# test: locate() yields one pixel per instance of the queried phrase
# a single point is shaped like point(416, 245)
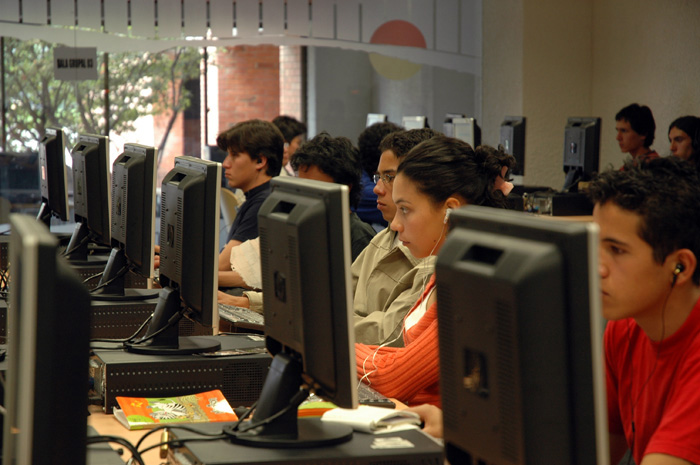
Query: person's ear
point(683, 263)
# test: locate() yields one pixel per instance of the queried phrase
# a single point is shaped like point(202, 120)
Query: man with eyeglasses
point(387, 279)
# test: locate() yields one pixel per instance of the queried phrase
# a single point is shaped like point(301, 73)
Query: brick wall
point(249, 84)
point(291, 81)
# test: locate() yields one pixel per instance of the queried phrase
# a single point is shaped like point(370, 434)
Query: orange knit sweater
point(411, 373)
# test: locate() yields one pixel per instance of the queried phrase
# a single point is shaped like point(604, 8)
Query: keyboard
point(240, 315)
point(366, 395)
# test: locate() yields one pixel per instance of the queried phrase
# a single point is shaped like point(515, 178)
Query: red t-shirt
point(655, 387)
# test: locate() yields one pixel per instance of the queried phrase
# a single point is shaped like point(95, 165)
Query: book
point(141, 413)
point(372, 419)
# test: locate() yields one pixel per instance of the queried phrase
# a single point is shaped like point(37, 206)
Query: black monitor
point(52, 176)
point(133, 224)
point(581, 151)
point(91, 196)
point(305, 236)
point(48, 349)
point(189, 258)
point(520, 331)
point(375, 118)
point(461, 127)
point(414, 122)
point(513, 141)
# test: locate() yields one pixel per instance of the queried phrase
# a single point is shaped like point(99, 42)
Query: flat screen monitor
point(52, 176)
point(376, 118)
point(189, 258)
point(305, 236)
point(133, 224)
point(414, 122)
point(91, 196)
point(581, 151)
point(47, 352)
point(461, 127)
point(520, 336)
point(513, 141)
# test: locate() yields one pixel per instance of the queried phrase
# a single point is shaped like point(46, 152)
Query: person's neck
point(259, 181)
point(640, 152)
point(664, 322)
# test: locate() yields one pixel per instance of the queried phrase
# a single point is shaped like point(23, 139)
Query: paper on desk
point(375, 420)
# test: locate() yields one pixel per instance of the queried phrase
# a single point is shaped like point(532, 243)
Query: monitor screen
point(581, 151)
point(47, 352)
point(91, 195)
point(463, 128)
point(375, 118)
point(305, 236)
point(520, 334)
point(189, 257)
point(133, 223)
point(52, 176)
point(414, 122)
point(513, 141)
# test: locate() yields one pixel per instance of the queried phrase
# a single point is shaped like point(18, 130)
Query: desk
point(107, 425)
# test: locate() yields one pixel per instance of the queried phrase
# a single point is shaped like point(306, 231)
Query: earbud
point(676, 271)
point(447, 215)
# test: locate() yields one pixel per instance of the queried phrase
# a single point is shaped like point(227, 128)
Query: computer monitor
point(47, 351)
point(460, 127)
point(581, 151)
point(133, 224)
point(375, 118)
point(52, 176)
point(189, 258)
point(414, 122)
point(520, 335)
point(513, 141)
point(305, 236)
point(91, 196)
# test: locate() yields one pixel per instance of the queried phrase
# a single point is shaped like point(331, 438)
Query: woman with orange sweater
point(436, 176)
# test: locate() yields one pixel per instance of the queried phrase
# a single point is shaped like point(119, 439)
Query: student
point(368, 144)
point(635, 128)
point(387, 280)
point(293, 132)
point(650, 281)
point(254, 149)
point(433, 179)
point(684, 136)
point(329, 159)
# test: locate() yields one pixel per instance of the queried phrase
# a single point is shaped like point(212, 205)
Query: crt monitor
point(375, 118)
point(52, 176)
point(414, 122)
point(47, 352)
point(520, 335)
point(461, 127)
point(581, 151)
point(91, 196)
point(133, 223)
point(513, 141)
point(189, 258)
point(305, 233)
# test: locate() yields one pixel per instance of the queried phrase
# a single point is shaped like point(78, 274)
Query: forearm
point(231, 278)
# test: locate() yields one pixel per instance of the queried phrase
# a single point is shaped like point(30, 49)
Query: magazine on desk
point(141, 413)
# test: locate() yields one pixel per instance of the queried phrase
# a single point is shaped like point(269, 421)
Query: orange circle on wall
point(396, 32)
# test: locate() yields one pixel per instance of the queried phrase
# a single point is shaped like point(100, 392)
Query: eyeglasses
point(387, 178)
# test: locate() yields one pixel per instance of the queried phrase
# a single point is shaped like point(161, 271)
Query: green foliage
point(139, 84)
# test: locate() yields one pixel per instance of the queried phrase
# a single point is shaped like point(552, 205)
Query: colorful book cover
point(140, 413)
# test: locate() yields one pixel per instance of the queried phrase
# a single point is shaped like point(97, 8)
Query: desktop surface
point(399, 448)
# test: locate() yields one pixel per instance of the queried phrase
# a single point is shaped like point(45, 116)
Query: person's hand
point(156, 258)
point(236, 301)
point(431, 416)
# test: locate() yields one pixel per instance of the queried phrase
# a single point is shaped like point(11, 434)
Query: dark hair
point(443, 166)
point(641, 120)
point(401, 142)
point(368, 143)
point(257, 138)
point(336, 157)
point(665, 194)
point(691, 126)
point(290, 127)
